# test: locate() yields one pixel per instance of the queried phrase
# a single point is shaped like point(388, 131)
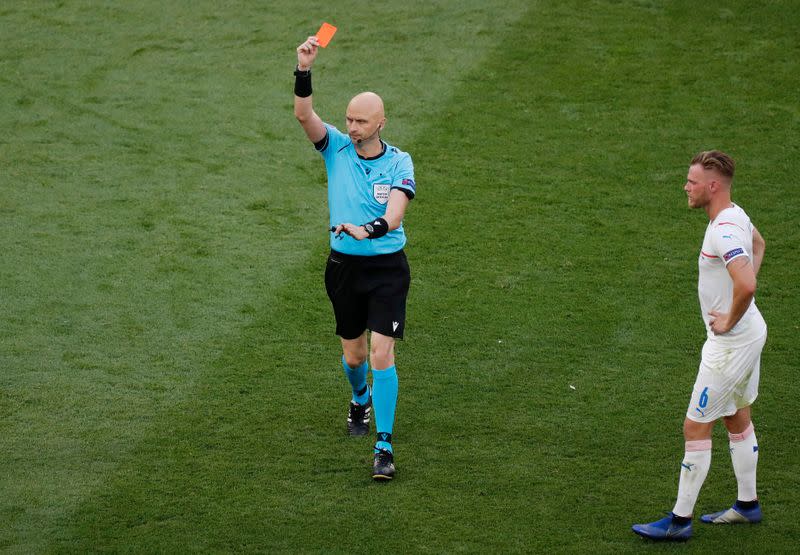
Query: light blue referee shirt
point(358, 190)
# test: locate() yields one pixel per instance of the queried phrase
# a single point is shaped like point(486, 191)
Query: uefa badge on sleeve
point(381, 192)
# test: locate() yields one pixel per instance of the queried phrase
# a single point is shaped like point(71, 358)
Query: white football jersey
point(728, 237)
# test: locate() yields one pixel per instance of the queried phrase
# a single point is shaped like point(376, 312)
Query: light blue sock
point(358, 381)
point(384, 402)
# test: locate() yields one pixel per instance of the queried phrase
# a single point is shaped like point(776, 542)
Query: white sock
point(694, 468)
point(744, 455)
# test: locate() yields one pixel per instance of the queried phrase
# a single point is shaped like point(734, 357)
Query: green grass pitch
point(169, 377)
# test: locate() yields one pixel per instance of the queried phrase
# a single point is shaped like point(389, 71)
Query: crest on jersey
point(381, 192)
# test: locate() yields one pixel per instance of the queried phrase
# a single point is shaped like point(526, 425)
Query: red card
point(325, 34)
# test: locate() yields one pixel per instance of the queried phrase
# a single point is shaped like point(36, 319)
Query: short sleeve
point(333, 141)
point(403, 177)
point(730, 241)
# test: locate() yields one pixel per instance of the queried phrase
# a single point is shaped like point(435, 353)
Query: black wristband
point(376, 228)
point(302, 82)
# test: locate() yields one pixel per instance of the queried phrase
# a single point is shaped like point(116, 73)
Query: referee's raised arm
point(303, 109)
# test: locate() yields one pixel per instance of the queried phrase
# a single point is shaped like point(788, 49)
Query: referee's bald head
point(367, 103)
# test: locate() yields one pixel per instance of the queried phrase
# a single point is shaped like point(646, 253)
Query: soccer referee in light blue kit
point(370, 184)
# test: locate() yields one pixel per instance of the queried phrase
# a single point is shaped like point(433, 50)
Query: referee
point(370, 184)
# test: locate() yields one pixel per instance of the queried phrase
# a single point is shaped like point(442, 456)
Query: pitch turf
point(169, 381)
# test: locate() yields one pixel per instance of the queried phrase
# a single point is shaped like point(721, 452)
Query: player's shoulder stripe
point(730, 223)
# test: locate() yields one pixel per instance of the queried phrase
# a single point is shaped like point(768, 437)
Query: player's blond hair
point(716, 160)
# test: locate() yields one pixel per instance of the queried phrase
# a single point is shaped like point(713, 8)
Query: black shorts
point(368, 292)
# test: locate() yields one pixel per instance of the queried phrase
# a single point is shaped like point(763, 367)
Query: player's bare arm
point(744, 287)
point(759, 245)
point(395, 212)
point(303, 108)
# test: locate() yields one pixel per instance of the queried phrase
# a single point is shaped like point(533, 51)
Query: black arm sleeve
point(409, 194)
point(302, 83)
point(376, 228)
point(322, 144)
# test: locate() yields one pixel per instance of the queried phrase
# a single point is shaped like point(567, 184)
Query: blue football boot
point(665, 529)
point(734, 515)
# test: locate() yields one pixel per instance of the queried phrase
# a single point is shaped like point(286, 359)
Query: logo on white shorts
point(394, 325)
point(381, 192)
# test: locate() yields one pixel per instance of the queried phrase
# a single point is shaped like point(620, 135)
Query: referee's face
point(359, 126)
point(364, 117)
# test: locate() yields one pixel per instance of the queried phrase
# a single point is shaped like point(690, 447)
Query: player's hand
point(357, 232)
point(720, 322)
point(307, 53)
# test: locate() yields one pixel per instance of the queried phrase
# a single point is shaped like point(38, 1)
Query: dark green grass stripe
point(581, 259)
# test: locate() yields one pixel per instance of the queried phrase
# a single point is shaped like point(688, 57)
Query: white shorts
point(726, 381)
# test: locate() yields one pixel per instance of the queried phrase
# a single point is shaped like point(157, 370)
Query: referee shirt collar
point(383, 151)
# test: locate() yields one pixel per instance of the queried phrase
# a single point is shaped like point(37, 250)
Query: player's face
point(697, 186)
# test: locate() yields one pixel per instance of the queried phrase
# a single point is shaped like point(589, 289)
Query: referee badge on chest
point(381, 192)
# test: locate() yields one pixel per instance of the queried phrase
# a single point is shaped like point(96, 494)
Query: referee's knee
point(382, 362)
point(381, 356)
point(354, 361)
